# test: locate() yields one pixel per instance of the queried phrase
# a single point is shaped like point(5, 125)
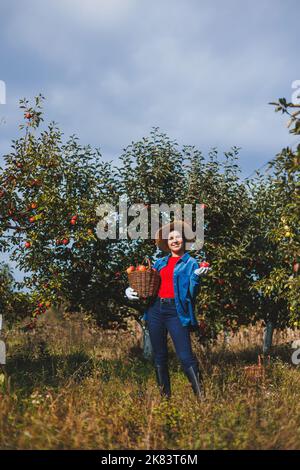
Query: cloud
point(110, 70)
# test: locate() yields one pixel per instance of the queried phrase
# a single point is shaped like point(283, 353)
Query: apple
point(141, 267)
point(33, 205)
point(204, 206)
point(28, 115)
point(27, 245)
point(221, 282)
point(204, 264)
point(31, 219)
point(296, 267)
point(48, 304)
point(73, 221)
point(65, 241)
point(130, 269)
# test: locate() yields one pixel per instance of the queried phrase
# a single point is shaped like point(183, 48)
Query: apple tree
point(49, 191)
point(279, 221)
point(225, 300)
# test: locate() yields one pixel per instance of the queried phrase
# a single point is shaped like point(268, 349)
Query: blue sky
point(202, 71)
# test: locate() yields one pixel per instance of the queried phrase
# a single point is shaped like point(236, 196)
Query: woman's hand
point(202, 271)
point(131, 294)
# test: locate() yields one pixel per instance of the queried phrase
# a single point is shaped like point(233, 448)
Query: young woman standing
point(173, 309)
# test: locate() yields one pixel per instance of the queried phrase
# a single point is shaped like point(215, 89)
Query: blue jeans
point(163, 318)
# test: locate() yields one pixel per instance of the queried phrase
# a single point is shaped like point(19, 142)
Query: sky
point(203, 71)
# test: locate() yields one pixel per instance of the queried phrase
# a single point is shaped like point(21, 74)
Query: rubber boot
point(193, 374)
point(163, 380)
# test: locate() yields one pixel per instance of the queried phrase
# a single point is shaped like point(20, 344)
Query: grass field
point(70, 385)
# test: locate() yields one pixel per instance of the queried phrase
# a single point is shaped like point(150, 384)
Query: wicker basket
point(256, 373)
point(145, 283)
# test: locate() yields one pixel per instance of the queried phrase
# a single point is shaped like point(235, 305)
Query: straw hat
point(161, 236)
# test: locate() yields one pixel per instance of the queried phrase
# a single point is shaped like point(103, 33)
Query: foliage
point(50, 189)
point(278, 206)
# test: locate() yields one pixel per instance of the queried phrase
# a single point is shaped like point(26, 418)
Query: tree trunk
point(226, 339)
point(147, 346)
point(268, 337)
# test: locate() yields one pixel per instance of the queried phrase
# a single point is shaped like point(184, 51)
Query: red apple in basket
point(141, 267)
point(130, 269)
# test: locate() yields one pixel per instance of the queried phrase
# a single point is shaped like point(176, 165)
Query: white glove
point(202, 271)
point(131, 294)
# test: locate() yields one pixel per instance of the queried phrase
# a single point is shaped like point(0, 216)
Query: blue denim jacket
point(186, 286)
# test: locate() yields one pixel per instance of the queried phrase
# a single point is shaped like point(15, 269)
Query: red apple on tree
point(35, 182)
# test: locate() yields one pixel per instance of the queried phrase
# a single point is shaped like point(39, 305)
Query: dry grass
point(74, 387)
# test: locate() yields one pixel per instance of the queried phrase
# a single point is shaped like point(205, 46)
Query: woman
point(173, 309)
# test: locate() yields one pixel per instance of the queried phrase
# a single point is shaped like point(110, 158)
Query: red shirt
point(167, 285)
